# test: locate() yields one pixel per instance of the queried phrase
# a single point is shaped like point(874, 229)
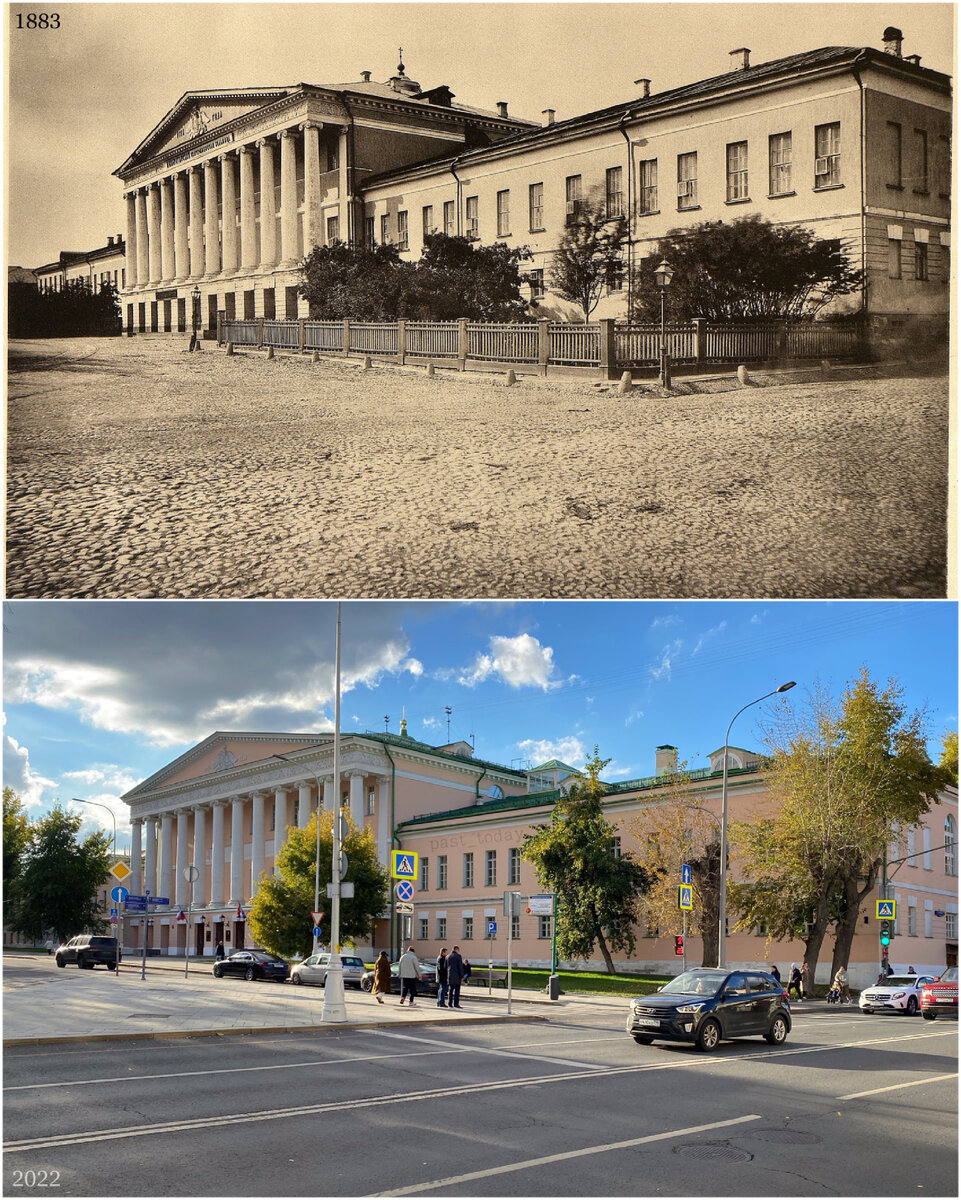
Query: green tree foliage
point(280, 914)
point(16, 838)
point(573, 856)
point(74, 312)
point(949, 756)
point(359, 282)
point(60, 878)
point(841, 775)
point(590, 251)
point(750, 269)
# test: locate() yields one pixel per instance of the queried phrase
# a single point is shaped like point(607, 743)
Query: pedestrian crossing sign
point(685, 896)
point(887, 910)
point(403, 864)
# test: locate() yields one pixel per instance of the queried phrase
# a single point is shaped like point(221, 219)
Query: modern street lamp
point(100, 804)
point(664, 273)
point(195, 296)
point(335, 1007)
point(284, 758)
point(722, 900)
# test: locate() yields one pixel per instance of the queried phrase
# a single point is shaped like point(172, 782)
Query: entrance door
point(199, 929)
point(239, 934)
point(168, 304)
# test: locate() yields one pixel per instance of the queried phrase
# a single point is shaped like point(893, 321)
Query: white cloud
point(568, 749)
point(20, 776)
point(636, 715)
point(705, 637)
point(519, 662)
point(432, 723)
point(662, 669)
point(665, 622)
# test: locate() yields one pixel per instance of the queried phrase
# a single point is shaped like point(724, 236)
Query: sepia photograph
point(460, 300)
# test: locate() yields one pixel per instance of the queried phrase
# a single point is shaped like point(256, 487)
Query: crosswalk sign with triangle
point(887, 910)
point(403, 864)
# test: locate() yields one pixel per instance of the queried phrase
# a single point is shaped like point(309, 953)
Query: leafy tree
point(279, 916)
point(949, 756)
point(589, 252)
point(74, 312)
point(750, 269)
point(457, 278)
point(60, 878)
point(597, 892)
point(365, 283)
point(16, 838)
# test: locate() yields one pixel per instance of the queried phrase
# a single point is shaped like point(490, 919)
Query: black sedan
point(253, 964)
point(705, 1006)
point(426, 985)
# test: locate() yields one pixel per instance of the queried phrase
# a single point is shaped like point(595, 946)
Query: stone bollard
point(230, 347)
point(366, 362)
point(742, 376)
point(626, 385)
point(315, 357)
point(511, 378)
point(430, 370)
point(825, 364)
point(270, 352)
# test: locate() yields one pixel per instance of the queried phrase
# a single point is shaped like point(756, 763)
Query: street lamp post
point(195, 340)
point(722, 899)
point(335, 1007)
point(100, 804)
point(664, 273)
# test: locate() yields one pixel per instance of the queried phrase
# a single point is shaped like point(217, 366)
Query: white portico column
point(196, 223)
point(130, 245)
point(211, 230)
point(325, 794)
point(166, 230)
point(268, 207)
point(280, 820)
point(357, 798)
point(228, 181)
point(346, 206)
point(217, 855)
point(303, 804)
point(143, 248)
point(199, 896)
point(150, 865)
point(236, 850)
point(165, 870)
point(312, 232)
point(153, 232)
point(136, 880)
point(180, 884)
point(257, 843)
point(248, 224)
point(288, 198)
point(383, 817)
point(181, 227)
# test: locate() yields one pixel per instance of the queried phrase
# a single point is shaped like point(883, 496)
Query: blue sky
point(98, 695)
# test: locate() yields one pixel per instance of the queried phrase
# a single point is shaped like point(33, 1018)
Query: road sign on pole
point(405, 908)
point(118, 894)
point(403, 864)
point(491, 928)
point(886, 910)
point(685, 873)
point(120, 871)
point(316, 917)
point(685, 896)
point(404, 890)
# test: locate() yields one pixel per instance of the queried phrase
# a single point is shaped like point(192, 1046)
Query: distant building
point(93, 268)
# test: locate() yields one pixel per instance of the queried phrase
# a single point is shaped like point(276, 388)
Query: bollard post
point(430, 370)
point(401, 340)
point(543, 344)
point(462, 343)
point(346, 350)
point(315, 357)
point(742, 375)
point(700, 340)
point(230, 347)
point(626, 384)
point(511, 378)
point(270, 352)
point(608, 351)
point(302, 340)
point(367, 362)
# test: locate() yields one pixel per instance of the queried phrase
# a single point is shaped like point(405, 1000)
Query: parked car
point(86, 950)
point(706, 1005)
point(427, 985)
point(898, 993)
point(252, 964)
point(941, 995)
point(314, 970)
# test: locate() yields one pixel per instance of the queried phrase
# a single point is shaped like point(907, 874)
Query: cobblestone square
point(136, 469)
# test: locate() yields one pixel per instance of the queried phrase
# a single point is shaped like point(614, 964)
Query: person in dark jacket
point(776, 973)
point(455, 976)
point(219, 952)
point(794, 983)
point(442, 977)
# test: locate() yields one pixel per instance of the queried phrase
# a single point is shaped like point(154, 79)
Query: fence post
point(260, 333)
point(607, 349)
point(700, 340)
point(302, 334)
point(401, 339)
point(346, 337)
point(543, 343)
point(220, 326)
point(462, 342)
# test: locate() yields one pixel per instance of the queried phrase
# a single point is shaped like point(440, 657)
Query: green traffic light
point(885, 936)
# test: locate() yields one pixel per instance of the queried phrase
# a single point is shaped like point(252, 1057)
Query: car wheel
point(708, 1035)
point(911, 1007)
point(249, 974)
point(60, 961)
point(218, 972)
point(928, 1016)
point(642, 1039)
point(778, 1031)
point(366, 984)
point(865, 1009)
point(82, 962)
point(296, 979)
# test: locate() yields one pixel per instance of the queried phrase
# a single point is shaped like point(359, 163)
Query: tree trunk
point(602, 943)
point(844, 935)
point(707, 875)
point(814, 940)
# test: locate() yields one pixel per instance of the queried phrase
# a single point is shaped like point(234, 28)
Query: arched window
point(950, 845)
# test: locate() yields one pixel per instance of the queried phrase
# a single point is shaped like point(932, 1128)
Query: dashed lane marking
point(895, 1087)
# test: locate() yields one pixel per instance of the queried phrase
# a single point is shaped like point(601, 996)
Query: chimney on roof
point(892, 38)
point(913, 58)
point(109, 241)
point(548, 115)
point(740, 59)
point(502, 108)
point(365, 76)
point(665, 760)
point(645, 86)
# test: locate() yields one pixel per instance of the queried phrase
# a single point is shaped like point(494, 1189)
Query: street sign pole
point(146, 914)
point(190, 874)
point(120, 911)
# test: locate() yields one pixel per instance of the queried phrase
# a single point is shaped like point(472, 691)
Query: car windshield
point(900, 981)
point(696, 983)
point(949, 976)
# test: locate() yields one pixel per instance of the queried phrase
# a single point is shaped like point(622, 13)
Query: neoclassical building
point(226, 807)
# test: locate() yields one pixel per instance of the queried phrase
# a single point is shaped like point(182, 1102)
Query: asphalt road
point(851, 1105)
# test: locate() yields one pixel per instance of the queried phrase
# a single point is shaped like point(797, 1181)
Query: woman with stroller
point(841, 985)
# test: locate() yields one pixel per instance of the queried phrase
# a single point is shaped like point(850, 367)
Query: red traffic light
point(678, 945)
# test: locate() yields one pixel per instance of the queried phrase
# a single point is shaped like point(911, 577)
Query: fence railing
point(604, 346)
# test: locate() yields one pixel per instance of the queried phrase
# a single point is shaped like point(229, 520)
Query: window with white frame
point(573, 198)
point(515, 927)
point(333, 229)
point(616, 846)
point(536, 280)
point(490, 868)
point(950, 924)
point(827, 155)
point(535, 207)
point(912, 846)
point(402, 243)
point(543, 927)
point(424, 882)
point(472, 210)
point(468, 933)
point(371, 801)
point(912, 919)
point(779, 163)
point(441, 871)
point(424, 929)
point(926, 846)
point(450, 218)
point(614, 276)
point(385, 228)
point(921, 151)
point(737, 171)
point(441, 929)
point(469, 869)
point(427, 219)
point(647, 186)
point(513, 866)
point(614, 191)
point(950, 845)
point(503, 213)
point(687, 180)
point(928, 915)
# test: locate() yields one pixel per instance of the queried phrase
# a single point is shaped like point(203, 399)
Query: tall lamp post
point(722, 900)
point(335, 1007)
point(100, 804)
point(195, 296)
point(664, 273)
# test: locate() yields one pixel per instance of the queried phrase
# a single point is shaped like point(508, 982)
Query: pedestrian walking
point(805, 981)
point(409, 970)
point(381, 986)
point(220, 953)
point(442, 977)
point(794, 983)
point(776, 973)
point(841, 985)
point(455, 977)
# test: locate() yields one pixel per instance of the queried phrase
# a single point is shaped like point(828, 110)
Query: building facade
point(226, 806)
point(94, 269)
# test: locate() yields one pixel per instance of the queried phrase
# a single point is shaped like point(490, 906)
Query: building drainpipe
point(477, 785)
point(393, 841)
point(864, 272)
point(459, 194)
point(630, 212)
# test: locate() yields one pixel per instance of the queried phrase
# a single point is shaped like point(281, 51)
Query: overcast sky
point(98, 695)
point(82, 97)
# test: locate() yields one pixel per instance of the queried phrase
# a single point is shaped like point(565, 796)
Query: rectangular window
point(950, 846)
point(950, 925)
point(423, 928)
point(894, 258)
point(369, 228)
point(912, 920)
point(503, 213)
point(921, 260)
point(926, 837)
point(543, 927)
point(687, 180)
point(450, 221)
point(647, 186)
point(927, 918)
point(616, 847)
point(827, 155)
point(385, 229)
point(911, 841)
point(921, 150)
point(333, 229)
point(779, 158)
point(944, 166)
point(424, 883)
point(535, 203)
point(614, 276)
point(515, 927)
point(572, 187)
point(614, 191)
point(441, 872)
point(473, 218)
point(536, 279)
point(468, 934)
point(895, 171)
point(402, 231)
point(441, 929)
point(490, 868)
point(737, 171)
point(427, 215)
point(514, 866)
point(371, 801)
point(469, 870)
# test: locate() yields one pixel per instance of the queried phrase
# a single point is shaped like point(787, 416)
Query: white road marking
point(559, 1062)
point(529, 1163)
point(897, 1086)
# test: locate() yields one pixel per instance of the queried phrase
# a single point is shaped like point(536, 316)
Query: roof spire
point(400, 65)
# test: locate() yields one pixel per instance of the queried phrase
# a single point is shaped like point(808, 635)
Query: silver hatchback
point(314, 970)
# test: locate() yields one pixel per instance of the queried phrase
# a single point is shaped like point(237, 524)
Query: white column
point(347, 232)
point(280, 821)
point(313, 236)
point(236, 850)
point(130, 244)
point(136, 875)
point(383, 816)
point(196, 223)
point(303, 804)
point(248, 222)
point(257, 844)
point(181, 227)
point(217, 856)
point(357, 798)
point(150, 864)
point(165, 871)
point(268, 208)
point(180, 884)
point(143, 249)
point(211, 228)
point(288, 198)
point(325, 794)
point(228, 218)
point(153, 232)
point(200, 856)
point(166, 230)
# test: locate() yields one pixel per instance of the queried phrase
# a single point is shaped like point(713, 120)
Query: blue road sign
point(113, 912)
point(404, 890)
point(118, 894)
point(159, 899)
point(685, 873)
point(317, 931)
point(403, 864)
point(886, 910)
point(135, 904)
point(685, 896)
point(491, 928)
point(136, 899)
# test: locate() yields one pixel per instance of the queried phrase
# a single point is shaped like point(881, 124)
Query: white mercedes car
point(898, 993)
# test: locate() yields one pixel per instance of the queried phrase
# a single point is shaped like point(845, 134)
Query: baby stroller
point(834, 996)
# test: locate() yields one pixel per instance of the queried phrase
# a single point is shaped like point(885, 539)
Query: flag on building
point(240, 913)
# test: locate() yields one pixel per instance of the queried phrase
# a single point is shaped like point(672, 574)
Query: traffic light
point(678, 945)
point(885, 934)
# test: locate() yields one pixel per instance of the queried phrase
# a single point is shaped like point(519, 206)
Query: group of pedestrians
point(452, 971)
point(798, 980)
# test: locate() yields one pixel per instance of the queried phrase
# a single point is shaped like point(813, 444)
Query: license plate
point(651, 1022)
